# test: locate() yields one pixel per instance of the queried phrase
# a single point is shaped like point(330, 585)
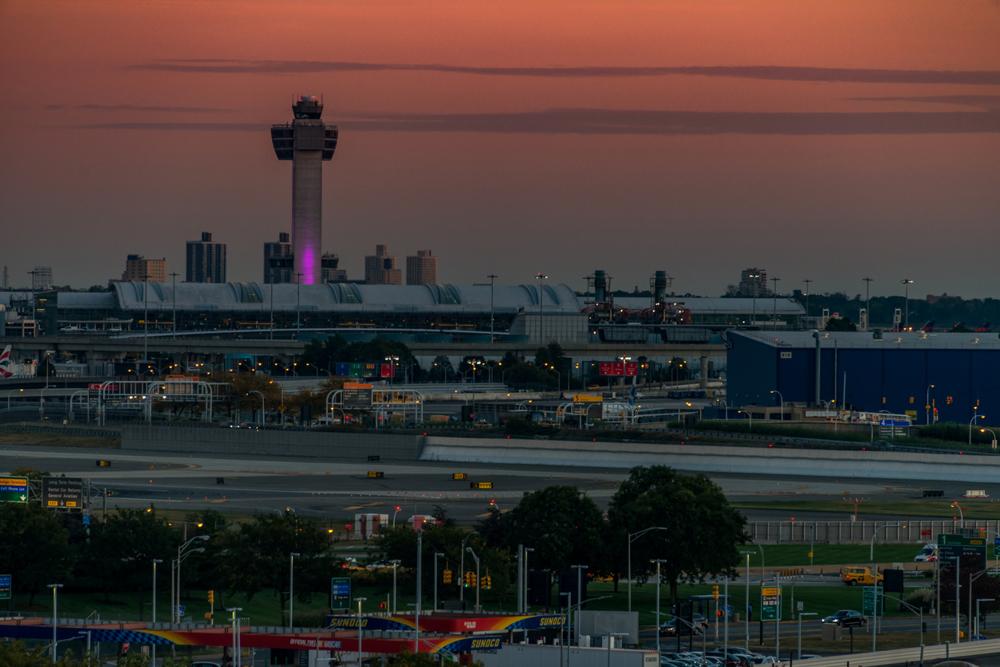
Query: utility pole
point(774, 298)
point(420, 593)
point(298, 302)
point(173, 296)
point(868, 309)
point(492, 278)
point(580, 569)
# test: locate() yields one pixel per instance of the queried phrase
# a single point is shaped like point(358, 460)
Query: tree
point(703, 531)
point(256, 556)
point(35, 548)
point(840, 324)
point(121, 549)
point(562, 525)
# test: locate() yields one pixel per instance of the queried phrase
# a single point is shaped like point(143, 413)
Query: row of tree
point(116, 553)
point(697, 533)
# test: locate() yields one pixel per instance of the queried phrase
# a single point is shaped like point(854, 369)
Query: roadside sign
point(872, 602)
point(770, 603)
point(954, 547)
point(340, 588)
point(357, 396)
point(13, 489)
point(62, 492)
point(6, 586)
point(180, 611)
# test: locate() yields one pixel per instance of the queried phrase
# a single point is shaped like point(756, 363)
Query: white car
point(928, 554)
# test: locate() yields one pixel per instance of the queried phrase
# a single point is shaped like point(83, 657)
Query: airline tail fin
point(5, 371)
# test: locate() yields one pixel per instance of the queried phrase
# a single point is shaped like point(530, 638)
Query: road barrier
point(862, 532)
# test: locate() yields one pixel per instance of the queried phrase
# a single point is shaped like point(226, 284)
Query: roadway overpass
point(107, 348)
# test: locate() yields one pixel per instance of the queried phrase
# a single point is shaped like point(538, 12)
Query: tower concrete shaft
point(307, 142)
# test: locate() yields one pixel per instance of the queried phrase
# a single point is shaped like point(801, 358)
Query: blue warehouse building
point(870, 371)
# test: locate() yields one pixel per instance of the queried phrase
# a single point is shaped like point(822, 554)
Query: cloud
point(134, 107)
point(766, 72)
point(988, 102)
point(631, 121)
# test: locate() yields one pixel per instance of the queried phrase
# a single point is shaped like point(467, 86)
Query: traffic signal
point(446, 577)
point(211, 597)
point(470, 579)
point(487, 582)
point(715, 591)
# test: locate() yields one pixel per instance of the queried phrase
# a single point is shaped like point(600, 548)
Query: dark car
point(846, 618)
point(675, 626)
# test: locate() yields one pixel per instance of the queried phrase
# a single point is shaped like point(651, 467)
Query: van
point(859, 576)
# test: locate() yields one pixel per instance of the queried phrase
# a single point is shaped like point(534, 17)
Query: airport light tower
point(307, 142)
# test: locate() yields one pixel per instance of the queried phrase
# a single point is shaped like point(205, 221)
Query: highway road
point(337, 489)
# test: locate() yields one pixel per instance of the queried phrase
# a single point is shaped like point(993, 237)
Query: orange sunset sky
point(823, 140)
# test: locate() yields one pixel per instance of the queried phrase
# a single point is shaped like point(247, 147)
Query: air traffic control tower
point(307, 142)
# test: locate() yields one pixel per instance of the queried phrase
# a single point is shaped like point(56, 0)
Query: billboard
point(62, 492)
point(618, 368)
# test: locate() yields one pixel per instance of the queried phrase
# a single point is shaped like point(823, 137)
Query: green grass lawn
point(793, 555)
point(264, 608)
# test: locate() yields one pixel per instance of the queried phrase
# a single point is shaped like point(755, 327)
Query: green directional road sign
point(770, 603)
point(872, 602)
point(6, 586)
point(951, 547)
point(13, 489)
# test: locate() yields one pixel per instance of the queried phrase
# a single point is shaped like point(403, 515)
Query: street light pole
point(475, 557)
point(262, 408)
point(235, 611)
point(906, 303)
point(395, 567)
point(437, 554)
point(657, 561)
point(798, 651)
point(632, 537)
point(173, 297)
point(781, 400)
point(978, 600)
point(155, 562)
point(493, 277)
point(975, 416)
point(291, 588)
point(55, 618)
point(183, 551)
point(868, 312)
point(541, 299)
point(360, 629)
point(927, 404)
point(579, 598)
point(298, 303)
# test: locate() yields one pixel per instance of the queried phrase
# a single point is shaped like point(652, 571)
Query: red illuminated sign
point(618, 368)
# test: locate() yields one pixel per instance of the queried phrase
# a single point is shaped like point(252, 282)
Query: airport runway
point(337, 489)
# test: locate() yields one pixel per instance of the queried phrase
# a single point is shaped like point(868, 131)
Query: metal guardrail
point(917, 655)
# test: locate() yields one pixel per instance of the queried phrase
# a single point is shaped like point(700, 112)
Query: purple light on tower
point(307, 142)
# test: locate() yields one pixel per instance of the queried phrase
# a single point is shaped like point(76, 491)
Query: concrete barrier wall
point(318, 444)
point(718, 459)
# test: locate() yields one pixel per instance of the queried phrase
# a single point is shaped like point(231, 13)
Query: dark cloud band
point(767, 72)
point(637, 122)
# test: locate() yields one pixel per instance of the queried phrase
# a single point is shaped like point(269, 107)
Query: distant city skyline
point(828, 141)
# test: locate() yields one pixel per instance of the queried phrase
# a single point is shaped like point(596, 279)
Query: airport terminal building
point(950, 376)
